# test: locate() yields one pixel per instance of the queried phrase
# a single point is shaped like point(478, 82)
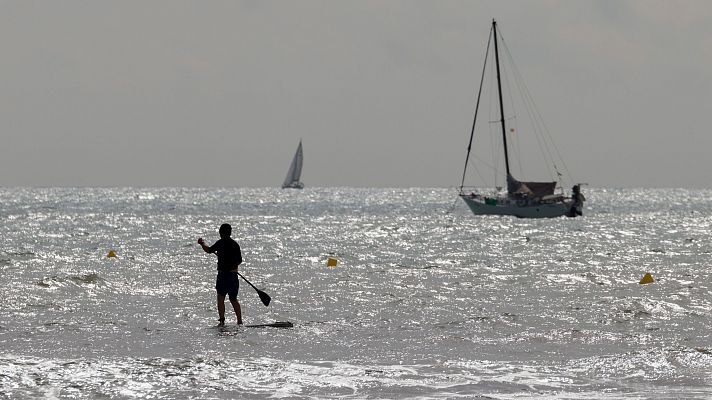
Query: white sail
point(295, 171)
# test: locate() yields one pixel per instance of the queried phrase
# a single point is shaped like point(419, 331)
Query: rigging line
point(494, 130)
point(553, 144)
point(452, 207)
point(537, 118)
point(546, 134)
point(515, 139)
point(543, 143)
point(477, 107)
point(516, 142)
point(483, 162)
point(527, 102)
point(544, 140)
point(477, 170)
point(512, 118)
point(495, 143)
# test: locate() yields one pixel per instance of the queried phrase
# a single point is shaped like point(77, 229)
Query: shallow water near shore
point(426, 301)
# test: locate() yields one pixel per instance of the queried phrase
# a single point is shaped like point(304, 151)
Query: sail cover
point(295, 169)
point(529, 189)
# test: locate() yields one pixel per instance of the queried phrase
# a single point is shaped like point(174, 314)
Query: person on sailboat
point(577, 201)
point(226, 283)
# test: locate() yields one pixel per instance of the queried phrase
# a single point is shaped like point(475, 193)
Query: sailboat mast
point(501, 103)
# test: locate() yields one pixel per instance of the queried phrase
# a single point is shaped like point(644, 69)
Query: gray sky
point(219, 93)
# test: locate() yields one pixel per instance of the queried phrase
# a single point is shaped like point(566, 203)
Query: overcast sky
point(219, 93)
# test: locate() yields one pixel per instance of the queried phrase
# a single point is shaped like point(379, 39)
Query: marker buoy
point(331, 262)
point(111, 254)
point(647, 279)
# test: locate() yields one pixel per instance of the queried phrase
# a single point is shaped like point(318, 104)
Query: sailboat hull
point(293, 185)
point(524, 199)
point(483, 206)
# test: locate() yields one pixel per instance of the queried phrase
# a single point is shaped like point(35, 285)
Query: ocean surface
point(426, 301)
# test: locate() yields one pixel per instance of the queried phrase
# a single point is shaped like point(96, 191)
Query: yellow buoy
point(647, 279)
point(112, 253)
point(331, 262)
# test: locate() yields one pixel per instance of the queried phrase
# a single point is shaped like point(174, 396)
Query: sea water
point(426, 299)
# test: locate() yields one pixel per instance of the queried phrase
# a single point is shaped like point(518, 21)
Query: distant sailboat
point(295, 171)
point(522, 199)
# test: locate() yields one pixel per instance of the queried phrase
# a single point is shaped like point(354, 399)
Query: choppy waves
point(426, 301)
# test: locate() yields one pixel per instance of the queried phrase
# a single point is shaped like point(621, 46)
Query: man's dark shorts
point(227, 283)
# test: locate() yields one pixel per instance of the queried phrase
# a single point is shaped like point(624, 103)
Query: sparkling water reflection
point(423, 303)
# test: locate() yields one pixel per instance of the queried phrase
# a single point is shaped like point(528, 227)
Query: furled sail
point(529, 189)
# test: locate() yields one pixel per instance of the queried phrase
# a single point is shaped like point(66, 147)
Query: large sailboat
point(524, 199)
point(295, 171)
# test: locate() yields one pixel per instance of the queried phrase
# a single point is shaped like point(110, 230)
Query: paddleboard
point(278, 324)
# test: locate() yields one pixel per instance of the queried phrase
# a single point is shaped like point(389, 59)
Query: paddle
point(263, 296)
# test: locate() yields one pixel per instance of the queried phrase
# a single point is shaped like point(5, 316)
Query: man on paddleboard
point(226, 283)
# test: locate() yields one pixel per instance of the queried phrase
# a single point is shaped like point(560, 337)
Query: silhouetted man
point(226, 283)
